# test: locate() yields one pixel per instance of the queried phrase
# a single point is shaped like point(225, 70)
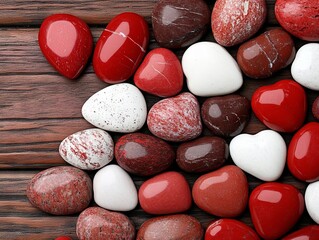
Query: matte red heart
point(281, 106)
point(223, 192)
point(306, 233)
point(176, 118)
point(160, 73)
point(66, 42)
point(299, 18)
point(275, 208)
point(303, 154)
point(230, 229)
point(121, 48)
point(165, 193)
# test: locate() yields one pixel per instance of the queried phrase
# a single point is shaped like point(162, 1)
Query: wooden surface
point(39, 108)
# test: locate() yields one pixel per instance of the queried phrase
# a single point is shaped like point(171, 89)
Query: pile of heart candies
point(175, 123)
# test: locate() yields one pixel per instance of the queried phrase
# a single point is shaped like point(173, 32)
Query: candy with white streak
point(175, 119)
point(89, 149)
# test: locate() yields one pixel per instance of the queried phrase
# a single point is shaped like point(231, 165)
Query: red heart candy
point(66, 42)
point(303, 154)
point(275, 208)
point(165, 193)
point(306, 233)
point(229, 229)
point(160, 73)
point(281, 106)
point(121, 48)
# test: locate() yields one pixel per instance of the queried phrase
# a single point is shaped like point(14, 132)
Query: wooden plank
point(18, 12)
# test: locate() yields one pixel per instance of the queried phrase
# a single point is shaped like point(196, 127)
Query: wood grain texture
point(32, 12)
point(39, 108)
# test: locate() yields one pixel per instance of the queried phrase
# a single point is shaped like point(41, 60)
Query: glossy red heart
point(230, 229)
point(160, 73)
point(281, 106)
point(306, 233)
point(66, 42)
point(303, 154)
point(165, 193)
point(275, 208)
point(121, 48)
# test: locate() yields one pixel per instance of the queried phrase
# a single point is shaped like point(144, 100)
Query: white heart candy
point(117, 108)
point(89, 149)
point(262, 155)
point(114, 189)
point(305, 67)
point(210, 70)
point(312, 200)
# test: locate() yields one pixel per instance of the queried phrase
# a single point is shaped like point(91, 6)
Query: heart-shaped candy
point(121, 48)
point(303, 155)
point(165, 193)
point(307, 233)
point(160, 73)
point(229, 229)
point(210, 70)
point(305, 67)
point(66, 42)
point(262, 155)
point(275, 208)
point(114, 189)
point(281, 106)
point(312, 200)
point(116, 108)
point(223, 193)
point(176, 118)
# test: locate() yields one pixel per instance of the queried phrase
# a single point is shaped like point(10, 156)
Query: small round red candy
point(121, 48)
point(160, 73)
point(66, 42)
point(230, 229)
point(63, 238)
point(315, 108)
point(281, 106)
point(303, 154)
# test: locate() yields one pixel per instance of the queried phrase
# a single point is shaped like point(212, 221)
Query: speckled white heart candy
point(210, 70)
point(114, 189)
point(89, 149)
point(305, 67)
point(262, 155)
point(312, 200)
point(116, 108)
